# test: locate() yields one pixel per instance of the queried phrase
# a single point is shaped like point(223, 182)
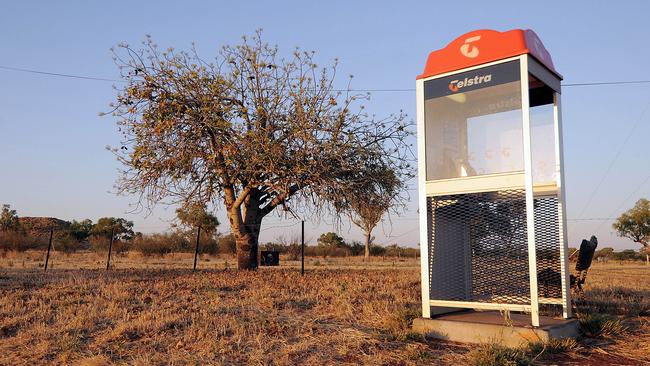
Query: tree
point(80, 230)
point(122, 229)
point(331, 240)
point(367, 202)
point(194, 215)
point(253, 129)
point(9, 219)
point(634, 224)
point(332, 244)
point(604, 253)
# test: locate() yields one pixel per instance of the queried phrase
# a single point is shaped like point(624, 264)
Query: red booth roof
point(483, 46)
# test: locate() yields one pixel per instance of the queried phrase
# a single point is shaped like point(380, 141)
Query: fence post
point(302, 250)
point(196, 250)
point(110, 248)
point(49, 247)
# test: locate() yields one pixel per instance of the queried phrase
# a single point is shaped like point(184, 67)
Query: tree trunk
point(247, 245)
point(245, 223)
point(366, 255)
point(647, 259)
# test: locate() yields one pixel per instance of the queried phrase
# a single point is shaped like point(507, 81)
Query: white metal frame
point(528, 184)
point(422, 197)
point(561, 202)
point(497, 181)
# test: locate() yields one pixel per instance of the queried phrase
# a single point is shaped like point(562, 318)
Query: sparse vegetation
point(154, 314)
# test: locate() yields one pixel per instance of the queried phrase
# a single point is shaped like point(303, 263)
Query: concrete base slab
point(492, 327)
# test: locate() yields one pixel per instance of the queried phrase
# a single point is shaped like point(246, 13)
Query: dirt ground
point(342, 312)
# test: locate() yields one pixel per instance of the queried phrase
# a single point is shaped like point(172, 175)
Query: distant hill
point(40, 226)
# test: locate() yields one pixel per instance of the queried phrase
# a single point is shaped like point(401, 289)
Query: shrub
point(554, 346)
point(101, 243)
point(66, 243)
point(209, 246)
point(600, 325)
point(396, 251)
point(377, 250)
point(16, 241)
point(152, 245)
point(278, 247)
point(497, 355)
point(227, 244)
point(293, 251)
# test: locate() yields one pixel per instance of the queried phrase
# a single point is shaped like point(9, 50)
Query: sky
point(52, 140)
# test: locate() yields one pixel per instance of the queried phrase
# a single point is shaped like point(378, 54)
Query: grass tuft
point(497, 355)
point(600, 325)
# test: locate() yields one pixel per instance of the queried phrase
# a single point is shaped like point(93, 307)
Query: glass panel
point(542, 132)
point(475, 128)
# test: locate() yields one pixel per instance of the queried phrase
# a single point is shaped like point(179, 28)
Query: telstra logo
point(456, 85)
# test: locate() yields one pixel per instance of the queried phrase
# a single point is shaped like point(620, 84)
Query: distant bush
point(277, 247)
point(396, 251)
point(156, 244)
point(65, 242)
point(376, 250)
point(357, 248)
point(17, 241)
point(293, 251)
point(101, 243)
point(227, 244)
point(209, 246)
point(628, 255)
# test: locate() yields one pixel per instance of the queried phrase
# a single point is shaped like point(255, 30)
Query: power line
point(643, 183)
point(611, 163)
point(57, 74)
point(609, 83)
point(48, 73)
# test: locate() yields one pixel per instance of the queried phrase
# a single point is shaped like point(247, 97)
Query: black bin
point(270, 258)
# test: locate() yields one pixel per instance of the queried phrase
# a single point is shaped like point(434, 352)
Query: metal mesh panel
point(479, 247)
point(547, 245)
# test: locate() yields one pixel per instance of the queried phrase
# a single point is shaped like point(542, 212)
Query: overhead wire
point(598, 83)
point(614, 159)
point(86, 77)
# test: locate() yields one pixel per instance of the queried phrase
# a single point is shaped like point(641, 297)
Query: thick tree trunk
point(245, 223)
point(366, 255)
point(247, 245)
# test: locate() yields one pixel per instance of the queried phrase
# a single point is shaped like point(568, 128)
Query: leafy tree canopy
point(252, 128)
point(331, 240)
point(122, 229)
point(194, 215)
point(81, 230)
point(634, 224)
point(9, 219)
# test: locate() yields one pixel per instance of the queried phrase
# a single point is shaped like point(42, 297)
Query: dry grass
point(339, 313)
point(33, 259)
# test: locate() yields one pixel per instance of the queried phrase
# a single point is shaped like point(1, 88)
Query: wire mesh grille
point(547, 245)
point(479, 247)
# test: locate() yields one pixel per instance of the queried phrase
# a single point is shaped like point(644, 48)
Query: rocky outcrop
point(40, 226)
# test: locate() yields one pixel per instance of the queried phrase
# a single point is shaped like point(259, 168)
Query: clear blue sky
point(52, 156)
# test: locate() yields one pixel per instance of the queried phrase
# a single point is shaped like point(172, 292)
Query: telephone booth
point(492, 217)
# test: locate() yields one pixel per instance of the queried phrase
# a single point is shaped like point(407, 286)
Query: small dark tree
point(194, 215)
point(253, 130)
point(367, 202)
point(634, 224)
point(604, 253)
point(80, 230)
point(331, 240)
point(332, 244)
point(122, 229)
